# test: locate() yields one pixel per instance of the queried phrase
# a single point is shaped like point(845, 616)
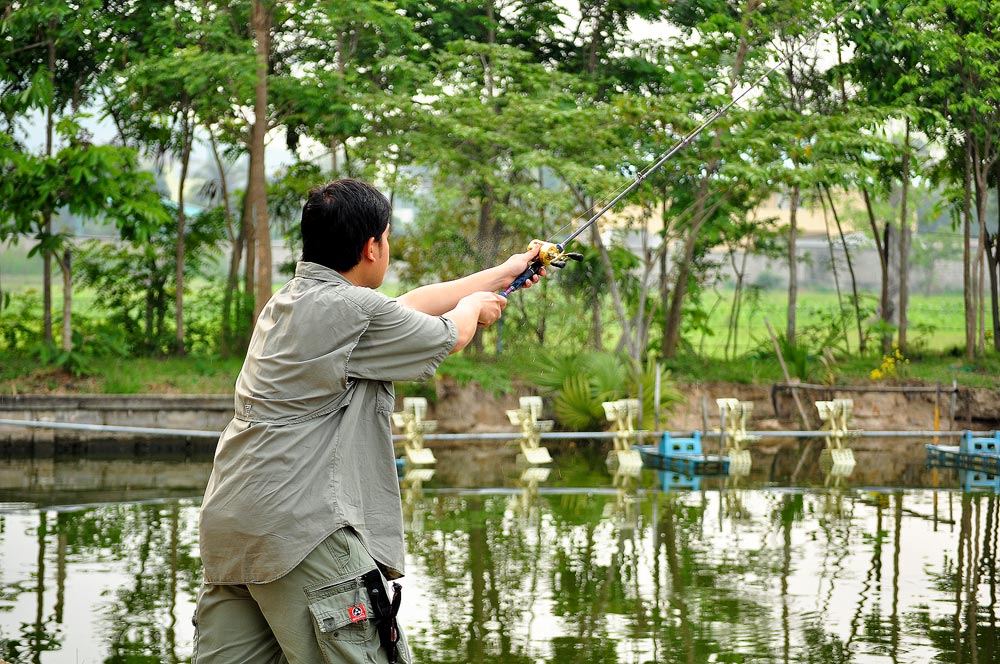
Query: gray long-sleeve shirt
point(309, 449)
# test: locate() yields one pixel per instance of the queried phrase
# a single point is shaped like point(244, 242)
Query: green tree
point(48, 65)
point(183, 72)
point(90, 181)
point(722, 62)
point(134, 279)
point(939, 58)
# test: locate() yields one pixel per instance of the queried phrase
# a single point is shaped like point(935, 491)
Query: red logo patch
point(357, 613)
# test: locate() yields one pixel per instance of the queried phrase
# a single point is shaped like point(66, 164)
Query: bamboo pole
point(788, 378)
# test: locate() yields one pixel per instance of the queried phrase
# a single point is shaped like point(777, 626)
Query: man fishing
point(302, 524)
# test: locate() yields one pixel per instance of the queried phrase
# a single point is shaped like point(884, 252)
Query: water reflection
point(568, 565)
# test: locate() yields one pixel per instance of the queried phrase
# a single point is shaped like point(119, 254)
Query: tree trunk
point(891, 313)
point(257, 187)
point(47, 213)
point(672, 321)
point(250, 261)
point(883, 258)
point(186, 139)
point(904, 243)
point(981, 293)
point(236, 242)
point(596, 319)
point(994, 286)
point(992, 259)
point(65, 265)
point(47, 281)
point(733, 328)
point(672, 326)
point(982, 254)
point(833, 267)
point(850, 268)
point(616, 297)
point(150, 303)
point(664, 255)
point(793, 264)
point(970, 307)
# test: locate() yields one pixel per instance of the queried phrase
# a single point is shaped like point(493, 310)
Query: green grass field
point(936, 322)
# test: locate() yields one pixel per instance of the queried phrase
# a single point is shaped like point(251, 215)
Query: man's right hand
point(479, 309)
point(490, 306)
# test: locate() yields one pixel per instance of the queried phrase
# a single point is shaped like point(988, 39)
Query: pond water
point(100, 564)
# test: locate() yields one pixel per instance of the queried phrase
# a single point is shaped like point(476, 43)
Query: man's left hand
point(518, 263)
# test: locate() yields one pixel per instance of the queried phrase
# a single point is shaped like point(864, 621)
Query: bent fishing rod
point(552, 254)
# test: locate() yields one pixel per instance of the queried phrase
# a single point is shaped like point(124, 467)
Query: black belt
point(385, 611)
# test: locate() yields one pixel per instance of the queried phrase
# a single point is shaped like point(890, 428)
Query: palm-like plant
point(580, 383)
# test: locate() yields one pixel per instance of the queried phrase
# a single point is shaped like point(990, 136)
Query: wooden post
point(788, 378)
point(798, 403)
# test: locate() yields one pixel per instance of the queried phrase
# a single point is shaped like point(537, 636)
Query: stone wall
point(195, 412)
point(461, 409)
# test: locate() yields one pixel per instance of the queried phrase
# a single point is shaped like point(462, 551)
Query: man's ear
point(368, 252)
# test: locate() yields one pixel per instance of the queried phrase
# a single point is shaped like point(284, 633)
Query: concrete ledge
point(198, 412)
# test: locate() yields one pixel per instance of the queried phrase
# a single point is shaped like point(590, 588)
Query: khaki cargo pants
point(309, 616)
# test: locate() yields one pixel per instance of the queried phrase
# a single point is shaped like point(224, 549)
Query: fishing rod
point(552, 254)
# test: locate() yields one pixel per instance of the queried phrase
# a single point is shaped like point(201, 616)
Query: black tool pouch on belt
point(385, 611)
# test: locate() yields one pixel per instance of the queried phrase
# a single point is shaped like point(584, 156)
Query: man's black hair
point(337, 220)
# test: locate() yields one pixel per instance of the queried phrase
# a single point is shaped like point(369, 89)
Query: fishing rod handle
point(534, 268)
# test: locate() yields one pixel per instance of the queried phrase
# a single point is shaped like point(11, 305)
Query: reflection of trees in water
point(677, 588)
point(155, 546)
point(704, 606)
point(142, 619)
point(510, 578)
point(970, 634)
point(782, 578)
point(479, 574)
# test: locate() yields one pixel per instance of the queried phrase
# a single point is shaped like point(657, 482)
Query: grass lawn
point(936, 322)
point(191, 375)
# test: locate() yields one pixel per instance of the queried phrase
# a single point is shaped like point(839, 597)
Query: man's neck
point(359, 276)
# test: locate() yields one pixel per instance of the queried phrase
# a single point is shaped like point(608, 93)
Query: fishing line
point(551, 254)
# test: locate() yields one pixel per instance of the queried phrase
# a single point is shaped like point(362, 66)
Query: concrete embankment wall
point(457, 409)
point(195, 412)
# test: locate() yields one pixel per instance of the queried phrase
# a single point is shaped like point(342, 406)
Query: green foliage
point(796, 355)
point(92, 339)
point(285, 197)
point(580, 383)
point(502, 122)
point(577, 405)
point(494, 378)
point(73, 362)
point(20, 320)
point(134, 281)
point(645, 375)
point(91, 181)
point(827, 330)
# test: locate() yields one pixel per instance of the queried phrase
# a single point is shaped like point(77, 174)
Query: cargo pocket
point(342, 614)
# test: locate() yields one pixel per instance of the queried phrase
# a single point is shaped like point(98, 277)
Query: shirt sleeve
point(402, 344)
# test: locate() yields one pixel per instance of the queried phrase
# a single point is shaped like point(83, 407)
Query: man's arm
point(441, 299)
point(472, 312)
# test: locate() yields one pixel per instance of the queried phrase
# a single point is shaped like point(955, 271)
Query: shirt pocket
point(343, 612)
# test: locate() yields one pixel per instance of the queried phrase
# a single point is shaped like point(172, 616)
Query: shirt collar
point(308, 270)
